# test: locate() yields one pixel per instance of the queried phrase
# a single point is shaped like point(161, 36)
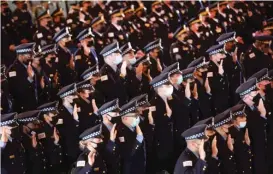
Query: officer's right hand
point(230, 143)
point(113, 133)
point(30, 71)
point(187, 90)
point(202, 152)
point(214, 148)
point(247, 139)
point(4, 137)
point(261, 108)
point(34, 140)
point(220, 68)
point(138, 130)
point(91, 157)
point(207, 86)
point(56, 136)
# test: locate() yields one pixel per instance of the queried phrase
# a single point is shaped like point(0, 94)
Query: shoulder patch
point(175, 50)
point(251, 55)
point(80, 163)
point(111, 34)
point(39, 35)
point(12, 74)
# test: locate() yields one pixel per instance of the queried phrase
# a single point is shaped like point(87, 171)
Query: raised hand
point(230, 143)
point(207, 86)
point(56, 136)
point(123, 70)
point(214, 148)
point(150, 117)
point(234, 55)
point(261, 108)
point(113, 133)
point(75, 113)
point(187, 90)
point(220, 68)
point(34, 140)
point(247, 139)
point(91, 157)
point(30, 71)
point(42, 82)
point(194, 92)
point(201, 150)
point(138, 130)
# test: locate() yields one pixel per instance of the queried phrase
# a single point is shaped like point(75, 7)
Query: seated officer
point(193, 157)
point(12, 151)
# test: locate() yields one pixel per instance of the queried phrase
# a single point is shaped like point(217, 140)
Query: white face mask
point(118, 60)
point(135, 122)
point(242, 124)
point(132, 60)
point(169, 91)
point(179, 80)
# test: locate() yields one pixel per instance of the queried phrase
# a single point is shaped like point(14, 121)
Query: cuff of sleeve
point(139, 138)
point(30, 79)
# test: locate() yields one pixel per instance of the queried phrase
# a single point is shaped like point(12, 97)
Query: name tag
point(103, 78)
point(60, 121)
point(189, 41)
point(80, 163)
point(121, 37)
point(210, 74)
point(69, 21)
point(175, 50)
point(12, 74)
point(41, 136)
point(39, 35)
point(251, 55)
point(111, 34)
point(152, 108)
point(78, 57)
point(11, 156)
point(121, 139)
point(187, 163)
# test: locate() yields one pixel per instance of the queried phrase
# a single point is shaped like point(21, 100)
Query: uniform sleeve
point(187, 167)
point(82, 170)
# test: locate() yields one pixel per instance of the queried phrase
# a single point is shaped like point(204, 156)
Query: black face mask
point(25, 6)
point(90, 43)
point(268, 87)
point(256, 99)
point(120, 22)
point(52, 60)
point(68, 44)
point(89, 8)
point(27, 62)
point(54, 120)
point(16, 133)
point(232, 49)
point(158, 10)
point(49, 24)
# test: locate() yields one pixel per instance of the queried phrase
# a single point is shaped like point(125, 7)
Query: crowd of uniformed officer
point(137, 87)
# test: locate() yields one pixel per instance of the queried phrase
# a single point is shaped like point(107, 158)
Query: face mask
point(68, 44)
point(120, 22)
point(233, 48)
point(54, 120)
point(242, 124)
point(158, 10)
point(52, 60)
point(132, 61)
point(169, 91)
point(256, 99)
point(179, 80)
point(90, 43)
point(27, 62)
point(49, 24)
point(118, 60)
point(25, 6)
point(135, 122)
point(268, 87)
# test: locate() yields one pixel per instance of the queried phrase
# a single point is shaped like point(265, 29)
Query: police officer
point(193, 157)
point(112, 75)
point(44, 33)
point(86, 56)
point(12, 150)
point(66, 63)
point(88, 108)
point(32, 134)
point(115, 31)
point(218, 78)
point(58, 19)
point(22, 74)
point(256, 123)
point(23, 20)
point(6, 100)
point(51, 138)
point(69, 123)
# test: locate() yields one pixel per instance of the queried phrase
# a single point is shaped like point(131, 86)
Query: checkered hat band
point(94, 134)
point(188, 76)
point(67, 93)
point(216, 51)
point(61, 36)
point(201, 64)
point(154, 46)
point(262, 78)
point(110, 52)
point(160, 83)
point(90, 74)
point(127, 111)
point(5, 123)
point(84, 86)
point(226, 40)
point(27, 50)
point(27, 119)
point(49, 51)
point(141, 103)
point(222, 122)
point(248, 91)
point(109, 109)
point(196, 136)
point(126, 51)
point(174, 71)
point(238, 113)
point(48, 109)
point(85, 36)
